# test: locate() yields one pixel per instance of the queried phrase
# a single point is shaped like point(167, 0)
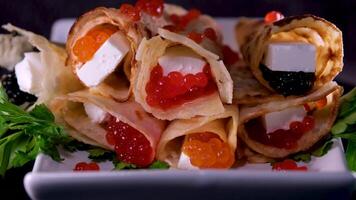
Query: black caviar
point(16, 96)
point(288, 83)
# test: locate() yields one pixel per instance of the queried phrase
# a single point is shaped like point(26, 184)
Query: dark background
point(39, 15)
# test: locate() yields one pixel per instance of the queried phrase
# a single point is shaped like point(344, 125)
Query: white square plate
point(327, 178)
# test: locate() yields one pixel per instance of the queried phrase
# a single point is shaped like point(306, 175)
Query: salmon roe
point(85, 47)
point(182, 21)
point(280, 138)
point(207, 150)
point(130, 11)
point(198, 37)
point(175, 89)
point(131, 146)
point(83, 166)
point(151, 7)
point(230, 57)
point(288, 164)
point(273, 16)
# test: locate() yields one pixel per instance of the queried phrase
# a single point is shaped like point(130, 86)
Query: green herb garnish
point(345, 126)
point(23, 135)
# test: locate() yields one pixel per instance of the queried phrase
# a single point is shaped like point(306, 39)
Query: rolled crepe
point(224, 125)
point(254, 36)
point(198, 25)
point(147, 56)
point(70, 110)
point(113, 85)
point(323, 119)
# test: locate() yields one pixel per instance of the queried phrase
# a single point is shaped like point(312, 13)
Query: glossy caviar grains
point(288, 83)
point(131, 146)
point(273, 16)
point(151, 7)
point(175, 89)
point(207, 150)
point(280, 138)
point(130, 11)
point(288, 164)
point(83, 166)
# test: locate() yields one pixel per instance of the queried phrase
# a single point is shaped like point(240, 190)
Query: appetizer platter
point(152, 95)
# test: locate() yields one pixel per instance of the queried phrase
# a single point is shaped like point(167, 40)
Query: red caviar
point(175, 89)
point(198, 37)
point(288, 164)
point(230, 56)
point(131, 146)
point(83, 166)
point(273, 16)
point(86, 46)
point(151, 7)
point(207, 150)
point(130, 11)
point(280, 138)
point(182, 21)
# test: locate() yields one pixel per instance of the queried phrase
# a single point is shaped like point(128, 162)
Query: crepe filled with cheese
point(279, 128)
point(292, 56)
point(101, 46)
point(201, 142)
point(100, 121)
point(178, 79)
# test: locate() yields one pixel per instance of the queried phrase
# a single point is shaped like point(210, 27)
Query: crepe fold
point(324, 119)
point(69, 110)
point(55, 79)
point(134, 32)
point(223, 124)
point(253, 36)
point(147, 56)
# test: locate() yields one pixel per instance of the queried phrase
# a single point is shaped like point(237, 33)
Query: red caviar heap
point(288, 164)
point(230, 57)
point(151, 7)
point(207, 150)
point(273, 16)
point(83, 166)
point(208, 33)
point(175, 89)
point(131, 146)
point(280, 138)
point(181, 22)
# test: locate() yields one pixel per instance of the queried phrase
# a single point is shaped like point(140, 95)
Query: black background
point(39, 15)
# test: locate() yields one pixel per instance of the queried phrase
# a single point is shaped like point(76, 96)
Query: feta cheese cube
point(28, 72)
point(282, 119)
point(104, 61)
point(184, 162)
point(181, 59)
point(291, 57)
point(96, 114)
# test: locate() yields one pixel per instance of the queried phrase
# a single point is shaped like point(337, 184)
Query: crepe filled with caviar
point(291, 56)
point(194, 80)
point(279, 128)
point(120, 126)
point(201, 142)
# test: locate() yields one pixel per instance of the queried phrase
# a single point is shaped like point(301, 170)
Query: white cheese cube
point(282, 119)
point(105, 60)
point(181, 59)
point(28, 72)
point(291, 57)
point(184, 162)
point(96, 114)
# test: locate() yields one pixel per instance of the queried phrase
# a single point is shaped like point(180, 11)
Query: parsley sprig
point(23, 135)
